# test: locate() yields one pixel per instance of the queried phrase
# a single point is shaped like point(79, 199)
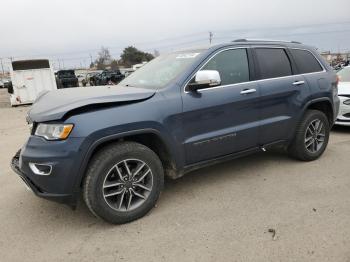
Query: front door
point(222, 120)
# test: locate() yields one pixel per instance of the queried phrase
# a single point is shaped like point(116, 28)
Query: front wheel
point(311, 137)
point(123, 182)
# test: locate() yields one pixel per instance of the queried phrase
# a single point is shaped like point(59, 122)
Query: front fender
point(101, 137)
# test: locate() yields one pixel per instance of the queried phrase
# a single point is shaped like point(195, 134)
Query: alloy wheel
point(315, 136)
point(127, 185)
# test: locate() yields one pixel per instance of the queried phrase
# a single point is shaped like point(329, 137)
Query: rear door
point(281, 93)
point(222, 120)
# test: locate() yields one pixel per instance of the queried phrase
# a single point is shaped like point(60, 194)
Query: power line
point(189, 36)
point(203, 39)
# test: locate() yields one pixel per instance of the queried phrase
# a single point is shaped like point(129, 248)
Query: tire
point(112, 164)
point(298, 148)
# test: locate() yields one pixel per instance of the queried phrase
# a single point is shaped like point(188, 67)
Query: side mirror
point(204, 79)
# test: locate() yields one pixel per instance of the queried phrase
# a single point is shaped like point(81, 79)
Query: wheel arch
point(149, 137)
point(324, 105)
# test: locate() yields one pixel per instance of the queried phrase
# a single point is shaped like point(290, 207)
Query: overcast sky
point(74, 29)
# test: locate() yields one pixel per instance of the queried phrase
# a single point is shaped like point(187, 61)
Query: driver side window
point(232, 66)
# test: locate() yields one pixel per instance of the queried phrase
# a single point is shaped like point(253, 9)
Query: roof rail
point(264, 40)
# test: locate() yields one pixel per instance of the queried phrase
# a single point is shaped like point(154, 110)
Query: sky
point(70, 31)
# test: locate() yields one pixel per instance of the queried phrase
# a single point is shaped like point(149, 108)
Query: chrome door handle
point(297, 83)
point(248, 91)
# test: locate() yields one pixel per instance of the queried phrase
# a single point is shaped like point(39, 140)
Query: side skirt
point(210, 162)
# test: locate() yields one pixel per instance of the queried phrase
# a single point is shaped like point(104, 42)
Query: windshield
point(344, 74)
point(161, 70)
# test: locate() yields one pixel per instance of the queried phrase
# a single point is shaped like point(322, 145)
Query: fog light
point(347, 102)
point(40, 169)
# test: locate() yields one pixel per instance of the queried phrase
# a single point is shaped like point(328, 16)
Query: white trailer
point(29, 79)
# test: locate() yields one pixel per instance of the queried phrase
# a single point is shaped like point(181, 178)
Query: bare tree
point(103, 58)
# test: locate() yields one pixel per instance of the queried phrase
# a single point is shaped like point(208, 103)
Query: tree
point(103, 58)
point(114, 64)
point(131, 56)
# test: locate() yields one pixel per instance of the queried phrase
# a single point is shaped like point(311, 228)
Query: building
point(336, 58)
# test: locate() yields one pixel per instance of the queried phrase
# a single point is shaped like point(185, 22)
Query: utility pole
point(91, 59)
point(2, 68)
point(210, 37)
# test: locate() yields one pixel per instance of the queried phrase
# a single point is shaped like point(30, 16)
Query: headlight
point(347, 102)
point(53, 131)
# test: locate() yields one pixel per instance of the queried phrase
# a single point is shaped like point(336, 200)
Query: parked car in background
point(180, 112)
point(4, 82)
point(90, 78)
point(344, 96)
point(108, 77)
point(81, 77)
point(66, 78)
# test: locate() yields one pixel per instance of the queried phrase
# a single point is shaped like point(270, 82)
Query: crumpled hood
point(55, 104)
point(344, 88)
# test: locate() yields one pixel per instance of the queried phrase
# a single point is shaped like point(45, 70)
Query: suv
point(66, 78)
point(108, 77)
point(181, 111)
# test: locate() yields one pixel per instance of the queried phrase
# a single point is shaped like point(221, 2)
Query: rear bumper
point(60, 198)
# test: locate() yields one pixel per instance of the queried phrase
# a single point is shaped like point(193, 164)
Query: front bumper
point(64, 157)
point(60, 198)
point(343, 117)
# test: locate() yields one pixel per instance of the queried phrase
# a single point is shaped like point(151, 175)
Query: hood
point(55, 104)
point(344, 88)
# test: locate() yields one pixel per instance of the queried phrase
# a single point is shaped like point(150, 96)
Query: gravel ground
point(265, 207)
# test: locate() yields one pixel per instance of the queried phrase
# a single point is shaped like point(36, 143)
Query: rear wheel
point(311, 137)
point(123, 182)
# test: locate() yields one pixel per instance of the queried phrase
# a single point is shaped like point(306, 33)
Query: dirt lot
point(221, 213)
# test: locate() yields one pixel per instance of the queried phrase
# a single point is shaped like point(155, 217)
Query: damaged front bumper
point(60, 198)
point(58, 183)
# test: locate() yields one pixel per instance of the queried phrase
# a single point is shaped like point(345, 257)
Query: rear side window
point(232, 66)
point(273, 62)
point(306, 61)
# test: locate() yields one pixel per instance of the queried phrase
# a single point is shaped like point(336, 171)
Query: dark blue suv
point(179, 112)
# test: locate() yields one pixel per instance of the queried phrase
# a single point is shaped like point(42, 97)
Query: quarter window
point(232, 66)
point(273, 62)
point(306, 62)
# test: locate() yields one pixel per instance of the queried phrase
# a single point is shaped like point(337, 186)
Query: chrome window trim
point(253, 81)
point(211, 57)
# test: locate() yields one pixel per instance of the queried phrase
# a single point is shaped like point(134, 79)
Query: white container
point(29, 79)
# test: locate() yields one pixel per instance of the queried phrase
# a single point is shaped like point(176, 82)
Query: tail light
point(337, 81)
